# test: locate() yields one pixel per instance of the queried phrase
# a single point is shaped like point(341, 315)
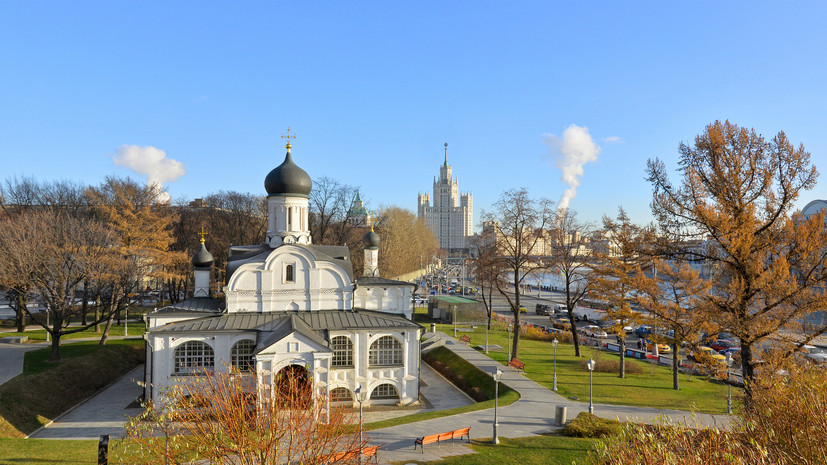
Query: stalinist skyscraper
point(451, 216)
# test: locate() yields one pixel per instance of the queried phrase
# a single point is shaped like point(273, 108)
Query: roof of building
point(274, 322)
point(377, 281)
point(287, 326)
point(195, 305)
point(203, 258)
point(371, 240)
point(288, 179)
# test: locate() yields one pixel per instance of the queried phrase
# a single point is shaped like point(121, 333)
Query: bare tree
point(485, 269)
point(517, 224)
point(571, 254)
point(330, 203)
point(53, 254)
point(405, 240)
point(733, 209)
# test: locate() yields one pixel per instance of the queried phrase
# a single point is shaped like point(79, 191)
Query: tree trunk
point(97, 313)
point(55, 331)
point(20, 312)
point(575, 338)
point(747, 372)
point(622, 357)
point(105, 334)
point(516, 311)
point(675, 385)
point(85, 310)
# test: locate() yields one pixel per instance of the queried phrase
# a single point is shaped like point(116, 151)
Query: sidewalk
point(104, 413)
point(532, 415)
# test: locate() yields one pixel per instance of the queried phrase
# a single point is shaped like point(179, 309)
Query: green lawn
point(652, 388)
point(539, 450)
point(47, 389)
point(136, 328)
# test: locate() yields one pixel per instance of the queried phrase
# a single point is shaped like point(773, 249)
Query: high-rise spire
point(446, 154)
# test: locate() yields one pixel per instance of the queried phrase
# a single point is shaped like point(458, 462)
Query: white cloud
point(612, 140)
point(151, 162)
point(571, 152)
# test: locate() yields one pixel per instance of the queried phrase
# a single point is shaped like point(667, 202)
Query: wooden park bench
point(465, 338)
point(432, 438)
point(520, 366)
point(348, 455)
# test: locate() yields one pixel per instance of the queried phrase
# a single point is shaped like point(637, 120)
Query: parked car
point(722, 344)
point(523, 310)
point(650, 346)
point(561, 323)
point(815, 354)
point(594, 331)
point(707, 355)
point(643, 331)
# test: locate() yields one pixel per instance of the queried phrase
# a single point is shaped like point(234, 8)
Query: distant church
point(292, 305)
point(451, 218)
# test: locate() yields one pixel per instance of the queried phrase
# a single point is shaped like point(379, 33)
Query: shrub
point(611, 365)
point(587, 425)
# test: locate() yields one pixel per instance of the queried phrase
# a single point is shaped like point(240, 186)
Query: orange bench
point(520, 366)
point(465, 338)
point(348, 455)
point(432, 438)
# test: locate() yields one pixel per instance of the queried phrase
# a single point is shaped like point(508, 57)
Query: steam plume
point(150, 161)
point(571, 152)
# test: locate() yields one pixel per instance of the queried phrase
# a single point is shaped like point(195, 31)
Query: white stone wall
point(287, 220)
point(390, 299)
point(263, 287)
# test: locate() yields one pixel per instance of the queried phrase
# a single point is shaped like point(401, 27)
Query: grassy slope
point(651, 388)
point(476, 377)
point(47, 389)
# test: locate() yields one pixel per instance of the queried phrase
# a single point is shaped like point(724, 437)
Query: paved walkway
point(104, 413)
point(533, 414)
point(11, 358)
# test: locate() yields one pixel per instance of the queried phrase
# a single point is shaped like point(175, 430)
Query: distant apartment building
point(450, 217)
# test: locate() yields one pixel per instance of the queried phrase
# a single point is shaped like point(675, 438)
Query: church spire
point(446, 154)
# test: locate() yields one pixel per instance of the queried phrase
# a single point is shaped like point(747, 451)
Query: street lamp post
point(125, 324)
point(498, 375)
point(360, 397)
point(455, 321)
point(590, 365)
point(554, 379)
point(728, 384)
point(508, 327)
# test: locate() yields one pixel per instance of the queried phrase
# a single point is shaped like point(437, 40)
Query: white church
point(292, 305)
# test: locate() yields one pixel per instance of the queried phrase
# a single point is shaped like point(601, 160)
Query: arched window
point(342, 351)
point(192, 356)
point(341, 394)
point(384, 391)
point(385, 351)
point(288, 274)
point(241, 355)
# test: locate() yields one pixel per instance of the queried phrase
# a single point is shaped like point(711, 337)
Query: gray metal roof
point(376, 281)
point(193, 305)
point(272, 322)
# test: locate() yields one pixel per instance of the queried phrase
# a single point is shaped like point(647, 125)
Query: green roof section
point(452, 299)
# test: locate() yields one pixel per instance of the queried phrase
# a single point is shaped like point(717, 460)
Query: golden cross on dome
point(288, 136)
point(202, 234)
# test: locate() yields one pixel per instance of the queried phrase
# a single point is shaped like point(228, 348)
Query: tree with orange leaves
point(733, 210)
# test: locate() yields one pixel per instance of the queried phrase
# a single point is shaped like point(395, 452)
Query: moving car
point(722, 344)
point(561, 323)
point(541, 309)
point(650, 347)
point(643, 331)
point(523, 310)
point(594, 331)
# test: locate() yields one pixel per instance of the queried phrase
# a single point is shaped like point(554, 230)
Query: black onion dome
point(203, 258)
point(371, 240)
point(288, 178)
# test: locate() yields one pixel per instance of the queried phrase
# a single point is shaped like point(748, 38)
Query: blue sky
point(373, 89)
